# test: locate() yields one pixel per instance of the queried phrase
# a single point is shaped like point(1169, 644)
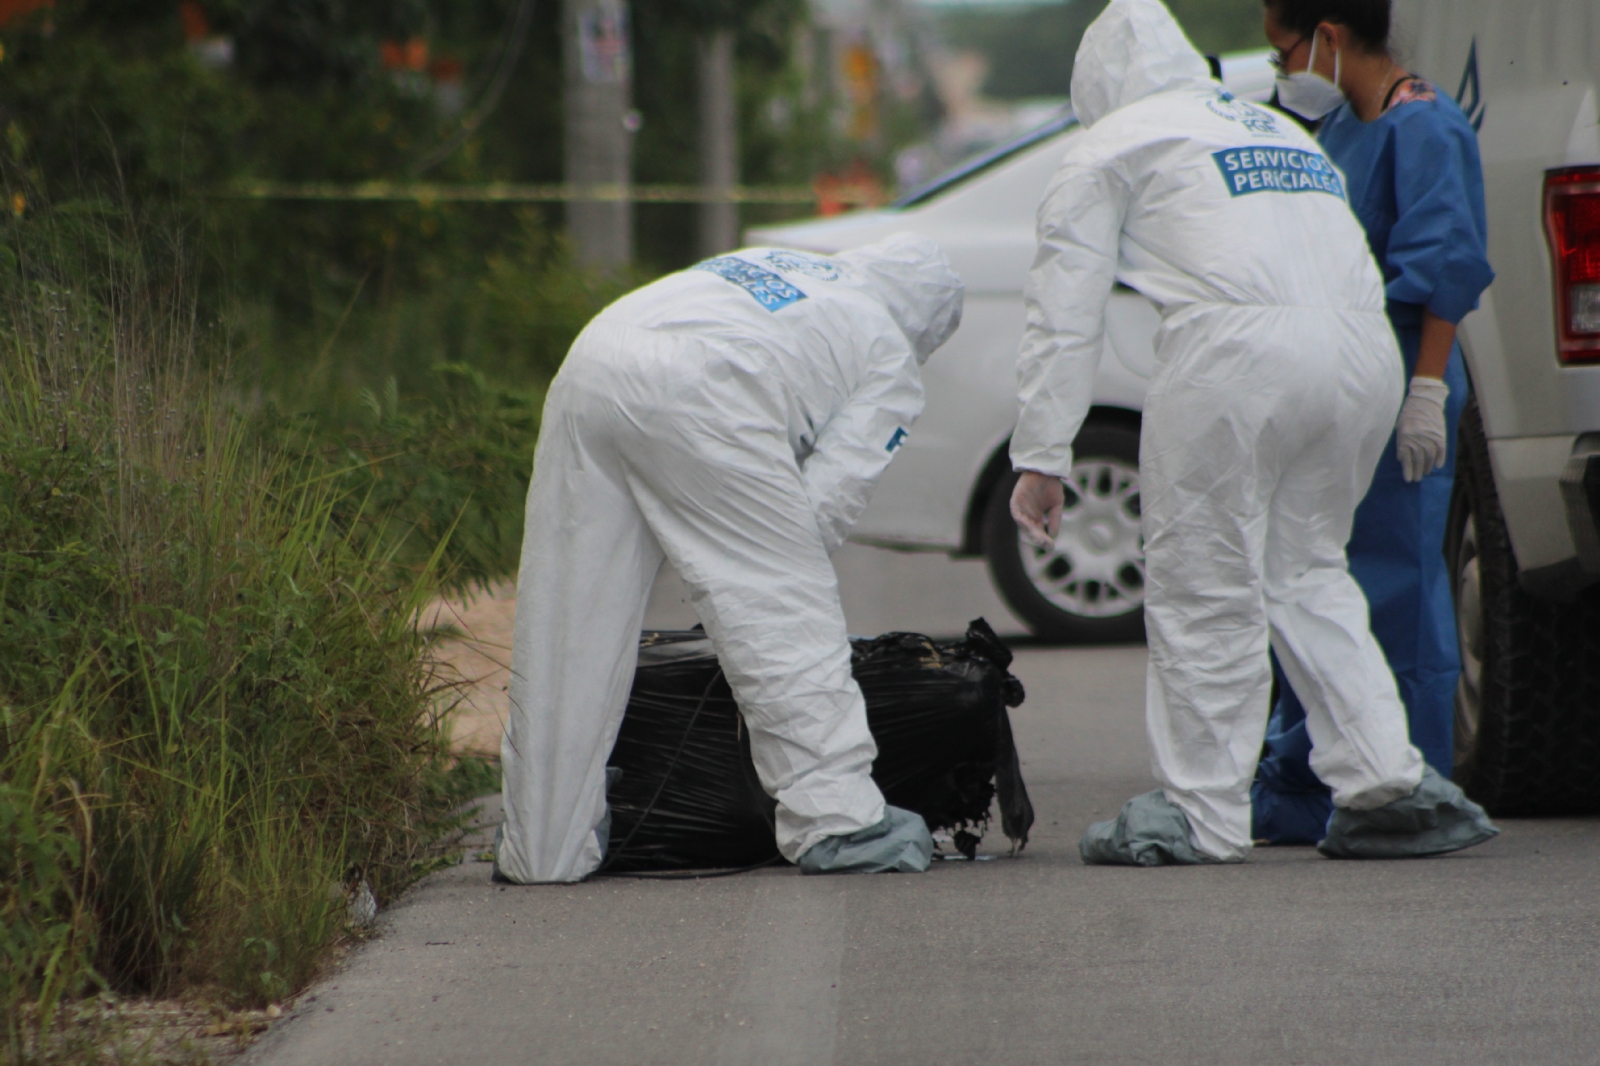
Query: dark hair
point(1367, 20)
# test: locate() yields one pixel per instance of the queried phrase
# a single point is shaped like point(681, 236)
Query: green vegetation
point(217, 718)
point(243, 442)
point(240, 447)
point(215, 715)
point(323, 301)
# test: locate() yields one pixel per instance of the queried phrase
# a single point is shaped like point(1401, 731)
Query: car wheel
point(1088, 588)
point(1527, 724)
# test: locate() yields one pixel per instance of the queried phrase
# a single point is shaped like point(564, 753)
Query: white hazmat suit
point(1277, 385)
point(731, 418)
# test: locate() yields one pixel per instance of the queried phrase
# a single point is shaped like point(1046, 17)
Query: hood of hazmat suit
point(1277, 384)
point(828, 339)
point(917, 285)
point(732, 419)
point(1132, 51)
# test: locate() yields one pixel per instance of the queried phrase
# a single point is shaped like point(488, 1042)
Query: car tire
point(1091, 589)
point(1527, 718)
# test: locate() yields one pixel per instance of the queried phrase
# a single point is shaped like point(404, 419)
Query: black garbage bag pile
point(687, 796)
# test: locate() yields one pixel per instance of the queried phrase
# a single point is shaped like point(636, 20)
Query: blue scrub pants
point(1397, 557)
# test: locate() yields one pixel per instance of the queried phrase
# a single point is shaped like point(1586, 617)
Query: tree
point(715, 26)
point(1031, 50)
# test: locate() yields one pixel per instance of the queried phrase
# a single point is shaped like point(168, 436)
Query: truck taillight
point(1572, 226)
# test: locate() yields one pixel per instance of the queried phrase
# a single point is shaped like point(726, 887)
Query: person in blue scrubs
point(1410, 159)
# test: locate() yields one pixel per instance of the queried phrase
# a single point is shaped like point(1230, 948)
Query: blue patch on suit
point(1248, 170)
point(896, 441)
point(812, 266)
point(768, 289)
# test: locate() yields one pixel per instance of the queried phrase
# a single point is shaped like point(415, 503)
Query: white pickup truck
point(1522, 541)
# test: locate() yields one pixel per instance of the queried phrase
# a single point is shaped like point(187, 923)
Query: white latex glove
point(1420, 435)
point(1036, 506)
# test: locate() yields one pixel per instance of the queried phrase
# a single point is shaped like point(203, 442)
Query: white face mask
point(1307, 93)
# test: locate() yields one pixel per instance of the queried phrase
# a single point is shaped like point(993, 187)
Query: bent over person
point(1277, 386)
point(732, 419)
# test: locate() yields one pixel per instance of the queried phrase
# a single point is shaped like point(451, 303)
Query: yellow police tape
point(510, 192)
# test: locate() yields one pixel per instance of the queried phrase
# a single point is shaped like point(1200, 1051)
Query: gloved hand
point(1420, 436)
point(1036, 505)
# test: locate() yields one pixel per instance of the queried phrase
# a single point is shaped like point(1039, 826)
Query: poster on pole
point(603, 43)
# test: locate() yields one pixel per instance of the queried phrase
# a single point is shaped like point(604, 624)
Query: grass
point(217, 714)
point(427, 399)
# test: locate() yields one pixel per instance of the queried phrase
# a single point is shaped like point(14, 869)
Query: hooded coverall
point(731, 419)
point(1277, 385)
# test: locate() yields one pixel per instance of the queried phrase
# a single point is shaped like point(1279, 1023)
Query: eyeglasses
point(1279, 59)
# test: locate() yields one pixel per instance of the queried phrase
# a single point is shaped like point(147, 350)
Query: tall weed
point(427, 403)
point(215, 709)
point(446, 472)
point(508, 311)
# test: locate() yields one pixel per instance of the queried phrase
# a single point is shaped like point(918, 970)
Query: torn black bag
point(687, 796)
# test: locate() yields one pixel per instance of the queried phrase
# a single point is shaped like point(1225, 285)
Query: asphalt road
point(1487, 956)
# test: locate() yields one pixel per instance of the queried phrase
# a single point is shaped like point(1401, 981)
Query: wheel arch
point(999, 464)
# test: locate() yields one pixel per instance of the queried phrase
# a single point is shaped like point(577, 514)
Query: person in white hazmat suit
point(732, 419)
point(1278, 383)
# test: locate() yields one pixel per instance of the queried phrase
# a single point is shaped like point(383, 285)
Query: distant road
point(882, 590)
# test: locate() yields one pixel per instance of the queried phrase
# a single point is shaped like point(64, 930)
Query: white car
point(949, 488)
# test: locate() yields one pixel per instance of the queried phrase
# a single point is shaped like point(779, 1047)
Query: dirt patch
point(146, 1032)
point(477, 656)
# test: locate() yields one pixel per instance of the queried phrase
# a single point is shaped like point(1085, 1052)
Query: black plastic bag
point(687, 795)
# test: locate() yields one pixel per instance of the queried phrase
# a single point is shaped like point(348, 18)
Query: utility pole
point(719, 142)
point(599, 133)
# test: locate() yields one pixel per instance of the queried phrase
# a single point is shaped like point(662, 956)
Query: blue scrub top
point(1416, 184)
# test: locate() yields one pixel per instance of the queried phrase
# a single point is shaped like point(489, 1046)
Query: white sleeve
point(856, 444)
point(1065, 297)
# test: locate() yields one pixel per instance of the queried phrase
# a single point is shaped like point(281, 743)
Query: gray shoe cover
point(1435, 819)
point(1148, 831)
point(899, 842)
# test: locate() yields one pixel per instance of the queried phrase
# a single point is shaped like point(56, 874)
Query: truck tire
point(1090, 589)
point(1528, 704)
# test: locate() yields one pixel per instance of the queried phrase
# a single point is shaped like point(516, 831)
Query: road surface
point(1488, 956)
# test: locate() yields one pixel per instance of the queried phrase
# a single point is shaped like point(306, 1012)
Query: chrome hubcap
point(1469, 630)
point(1096, 567)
